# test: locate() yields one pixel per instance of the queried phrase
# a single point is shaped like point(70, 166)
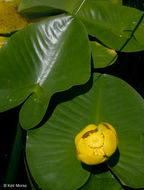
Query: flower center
point(94, 139)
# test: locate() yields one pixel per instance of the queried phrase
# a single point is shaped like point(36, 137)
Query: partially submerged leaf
point(40, 60)
point(102, 56)
point(10, 19)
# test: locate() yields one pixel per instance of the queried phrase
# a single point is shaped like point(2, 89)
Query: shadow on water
point(113, 160)
point(95, 169)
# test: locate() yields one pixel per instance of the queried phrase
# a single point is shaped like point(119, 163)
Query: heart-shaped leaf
point(112, 24)
point(51, 150)
point(40, 60)
point(102, 56)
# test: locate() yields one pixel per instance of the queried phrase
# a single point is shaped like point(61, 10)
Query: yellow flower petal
point(95, 144)
point(111, 140)
point(89, 155)
point(86, 129)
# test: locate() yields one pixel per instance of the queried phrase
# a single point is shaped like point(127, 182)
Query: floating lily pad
point(50, 149)
point(102, 56)
point(40, 60)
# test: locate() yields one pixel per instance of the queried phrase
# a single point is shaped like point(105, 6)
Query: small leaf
point(102, 56)
point(10, 19)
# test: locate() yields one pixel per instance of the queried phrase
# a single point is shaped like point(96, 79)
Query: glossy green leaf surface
point(112, 24)
point(40, 60)
point(102, 56)
point(103, 181)
point(51, 150)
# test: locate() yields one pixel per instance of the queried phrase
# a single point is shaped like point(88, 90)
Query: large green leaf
point(102, 181)
point(40, 60)
point(50, 148)
point(112, 24)
point(102, 56)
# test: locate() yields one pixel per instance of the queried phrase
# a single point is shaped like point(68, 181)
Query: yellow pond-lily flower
point(95, 144)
